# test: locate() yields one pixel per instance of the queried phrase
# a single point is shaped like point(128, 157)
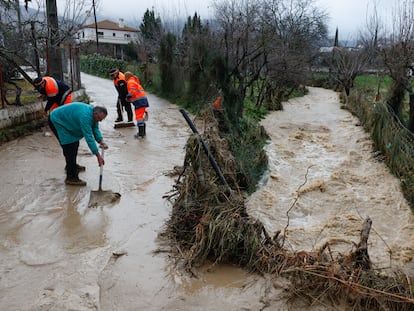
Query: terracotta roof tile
point(107, 24)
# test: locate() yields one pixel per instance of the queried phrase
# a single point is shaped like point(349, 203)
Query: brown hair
point(128, 75)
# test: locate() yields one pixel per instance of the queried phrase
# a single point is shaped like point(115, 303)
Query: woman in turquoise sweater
point(71, 123)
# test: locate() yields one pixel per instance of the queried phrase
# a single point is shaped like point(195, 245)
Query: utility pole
point(54, 62)
point(96, 27)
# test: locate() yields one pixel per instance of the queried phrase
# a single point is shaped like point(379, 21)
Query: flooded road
point(58, 254)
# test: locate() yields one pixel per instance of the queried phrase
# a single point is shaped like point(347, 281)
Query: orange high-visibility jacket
point(120, 85)
point(217, 105)
point(135, 89)
point(57, 93)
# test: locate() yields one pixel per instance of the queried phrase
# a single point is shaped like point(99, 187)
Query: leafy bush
point(99, 65)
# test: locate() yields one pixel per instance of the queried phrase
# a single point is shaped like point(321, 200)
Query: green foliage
point(131, 51)
point(375, 86)
point(371, 84)
point(199, 62)
point(246, 141)
point(234, 105)
point(390, 137)
point(199, 78)
point(99, 65)
point(28, 93)
point(151, 26)
point(193, 26)
point(166, 63)
point(336, 41)
point(253, 111)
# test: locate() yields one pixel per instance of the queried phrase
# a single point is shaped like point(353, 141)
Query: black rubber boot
point(119, 112)
point(74, 181)
point(141, 130)
point(79, 168)
point(129, 112)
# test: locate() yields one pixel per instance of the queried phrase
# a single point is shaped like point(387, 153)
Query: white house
point(108, 32)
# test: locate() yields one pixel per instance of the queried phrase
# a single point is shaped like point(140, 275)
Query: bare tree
point(242, 45)
point(37, 34)
point(398, 57)
point(268, 45)
point(295, 30)
point(347, 64)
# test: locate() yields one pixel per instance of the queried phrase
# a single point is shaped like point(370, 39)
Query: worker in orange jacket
point(121, 88)
point(56, 92)
point(137, 96)
point(217, 104)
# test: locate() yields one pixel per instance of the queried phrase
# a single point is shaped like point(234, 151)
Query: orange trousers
point(139, 113)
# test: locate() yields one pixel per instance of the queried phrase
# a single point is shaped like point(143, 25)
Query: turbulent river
point(324, 179)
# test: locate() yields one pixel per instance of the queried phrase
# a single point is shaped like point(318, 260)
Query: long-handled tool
point(100, 197)
point(122, 124)
point(206, 151)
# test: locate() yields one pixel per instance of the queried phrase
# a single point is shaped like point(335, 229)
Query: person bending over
point(71, 123)
point(121, 87)
point(137, 96)
point(56, 92)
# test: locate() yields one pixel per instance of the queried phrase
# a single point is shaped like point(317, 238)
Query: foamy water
point(323, 181)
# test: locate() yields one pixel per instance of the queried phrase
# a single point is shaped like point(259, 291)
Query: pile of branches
point(209, 223)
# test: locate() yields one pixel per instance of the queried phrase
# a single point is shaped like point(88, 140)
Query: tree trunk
point(35, 50)
point(411, 114)
point(360, 256)
point(17, 101)
point(398, 90)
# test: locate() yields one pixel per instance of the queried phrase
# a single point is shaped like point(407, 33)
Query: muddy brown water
point(324, 179)
point(58, 254)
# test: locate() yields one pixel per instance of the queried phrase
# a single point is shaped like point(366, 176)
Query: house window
point(113, 34)
point(127, 35)
point(100, 34)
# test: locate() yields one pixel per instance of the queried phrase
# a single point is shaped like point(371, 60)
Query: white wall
point(107, 36)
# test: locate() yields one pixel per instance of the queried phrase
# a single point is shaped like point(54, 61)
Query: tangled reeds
point(209, 222)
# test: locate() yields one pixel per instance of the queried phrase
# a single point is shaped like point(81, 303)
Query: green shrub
point(98, 65)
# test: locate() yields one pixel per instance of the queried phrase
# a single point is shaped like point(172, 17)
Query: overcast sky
point(348, 15)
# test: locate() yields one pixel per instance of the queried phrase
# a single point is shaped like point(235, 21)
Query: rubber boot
point(119, 112)
point(141, 129)
point(79, 168)
point(74, 180)
point(129, 112)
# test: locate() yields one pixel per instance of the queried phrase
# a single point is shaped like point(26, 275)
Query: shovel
point(100, 197)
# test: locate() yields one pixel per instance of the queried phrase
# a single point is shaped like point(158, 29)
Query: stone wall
point(18, 115)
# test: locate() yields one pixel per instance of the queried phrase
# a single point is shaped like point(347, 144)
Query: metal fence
point(70, 56)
